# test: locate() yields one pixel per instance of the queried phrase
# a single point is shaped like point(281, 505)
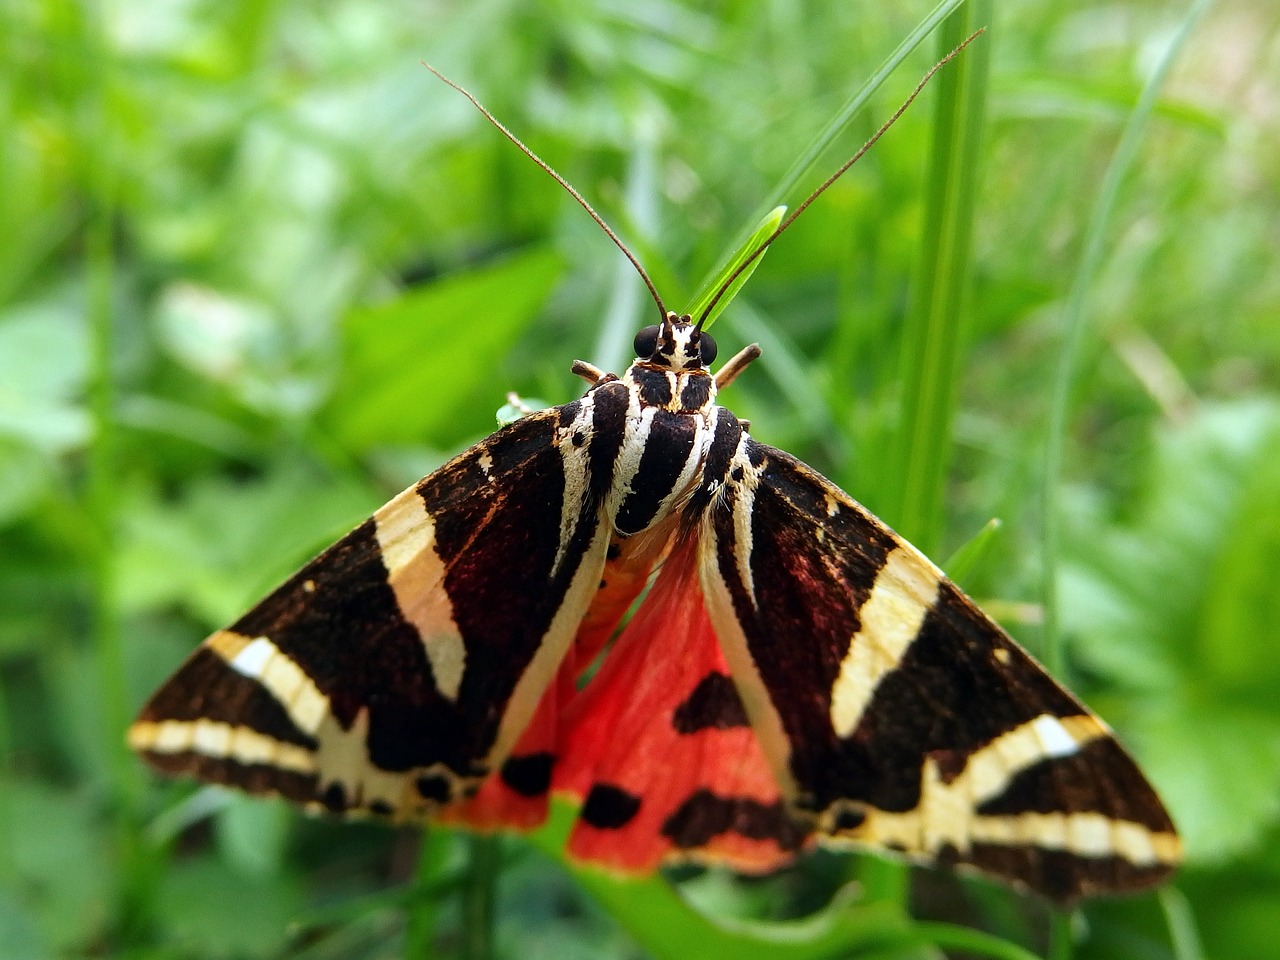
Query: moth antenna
point(528, 152)
point(764, 244)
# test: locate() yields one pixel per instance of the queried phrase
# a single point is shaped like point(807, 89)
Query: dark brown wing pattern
point(897, 714)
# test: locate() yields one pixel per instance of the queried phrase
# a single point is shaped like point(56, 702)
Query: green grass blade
point(1075, 322)
point(478, 896)
point(961, 564)
point(1182, 925)
point(665, 925)
point(99, 152)
point(934, 337)
point(972, 942)
point(422, 909)
point(841, 120)
point(836, 126)
point(762, 232)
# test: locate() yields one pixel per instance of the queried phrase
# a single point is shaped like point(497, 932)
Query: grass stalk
point(1075, 322)
point(98, 153)
point(933, 337)
point(1075, 326)
point(427, 887)
point(831, 130)
point(478, 895)
point(935, 328)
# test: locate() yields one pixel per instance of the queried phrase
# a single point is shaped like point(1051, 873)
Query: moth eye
point(707, 348)
point(646, 342)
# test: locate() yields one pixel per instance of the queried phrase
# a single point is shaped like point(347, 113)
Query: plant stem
point(97, 152)
point(935, 334)
point(421, 925)
point(478, 898)
point(1075, 318)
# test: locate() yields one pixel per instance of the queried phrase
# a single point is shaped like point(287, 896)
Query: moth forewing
point(897, 715)
point(404, 661)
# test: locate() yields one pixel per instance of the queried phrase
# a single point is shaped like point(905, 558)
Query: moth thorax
point(684, 391)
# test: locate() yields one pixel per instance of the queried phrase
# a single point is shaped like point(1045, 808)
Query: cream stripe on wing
point(990, 769)
point(220, 741)
point(947, 811)
point(407, 538)
point(551, 650)
point(743, 507)
point(576, 465)
point(902, 595)
point(766, 722)
point(626, 465)
point(1084, 834)
point(261, 660)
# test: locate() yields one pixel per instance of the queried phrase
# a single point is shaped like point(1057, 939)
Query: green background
point(260, 270)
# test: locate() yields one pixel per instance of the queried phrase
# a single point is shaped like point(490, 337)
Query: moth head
point(675, 344)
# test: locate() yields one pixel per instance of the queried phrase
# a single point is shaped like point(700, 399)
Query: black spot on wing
point(713, 704)
point(433, 787)
point(334, 798)
point(705, 815)
point(609, 807)
point(529, 775)
point(205, 687)
point(848, 818)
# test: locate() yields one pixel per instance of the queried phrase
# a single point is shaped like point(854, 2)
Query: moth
point(796, 673)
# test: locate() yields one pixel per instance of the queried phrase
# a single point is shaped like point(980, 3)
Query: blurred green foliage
point(260, 271)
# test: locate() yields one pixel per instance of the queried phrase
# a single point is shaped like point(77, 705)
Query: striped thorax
point(666, 427)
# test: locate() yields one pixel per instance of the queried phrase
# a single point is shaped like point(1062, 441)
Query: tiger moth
point(797, 674)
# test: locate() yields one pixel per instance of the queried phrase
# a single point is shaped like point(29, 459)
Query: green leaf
point(210, 551)
point(761, 233)
point(61, 858)
point(252, 833)
point(1218, 769)
point(417, 366)
point(44, 360)
point(1242, 601)
point(969, 556)
point(19, 931)
point(666, 925)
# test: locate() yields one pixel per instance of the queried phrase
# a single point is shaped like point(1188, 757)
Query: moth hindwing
point(798, 673)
